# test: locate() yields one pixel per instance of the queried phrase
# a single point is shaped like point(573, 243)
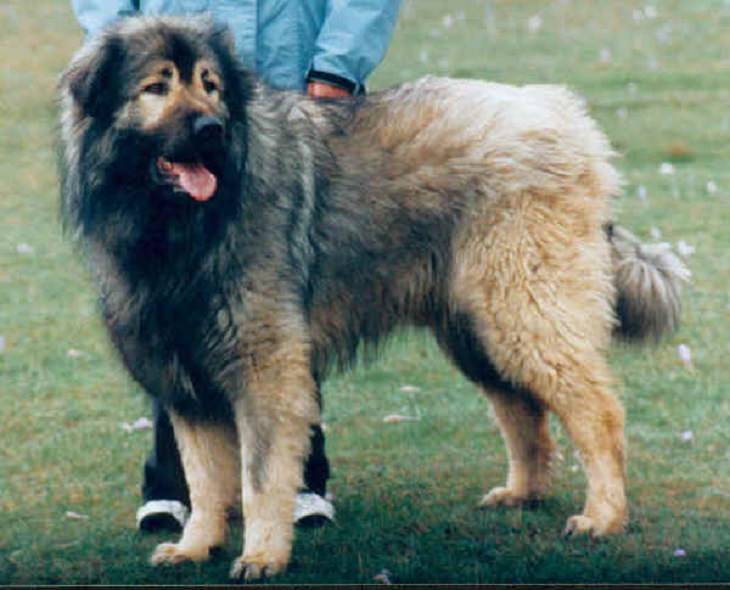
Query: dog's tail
point(648, 279)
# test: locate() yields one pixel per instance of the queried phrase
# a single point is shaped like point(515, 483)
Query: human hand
point(324, 90)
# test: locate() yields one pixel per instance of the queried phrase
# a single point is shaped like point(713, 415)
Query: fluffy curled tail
point(648, 280)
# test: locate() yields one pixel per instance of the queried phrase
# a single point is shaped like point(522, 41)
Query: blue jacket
point(287, 42)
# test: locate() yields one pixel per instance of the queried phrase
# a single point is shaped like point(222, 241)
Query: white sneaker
point(312, 510)
point(162, 515)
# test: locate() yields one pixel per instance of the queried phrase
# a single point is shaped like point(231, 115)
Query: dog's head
point(164, 98)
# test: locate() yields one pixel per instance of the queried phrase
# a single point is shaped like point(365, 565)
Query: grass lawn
point(657, 77)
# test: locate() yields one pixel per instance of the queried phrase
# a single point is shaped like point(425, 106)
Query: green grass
point(405, 492)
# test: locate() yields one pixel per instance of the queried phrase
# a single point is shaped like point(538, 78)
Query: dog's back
point(437, 163)
point(513, 138)
point(429, 167)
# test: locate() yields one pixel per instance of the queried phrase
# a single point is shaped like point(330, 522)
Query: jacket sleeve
point(94, 15)
point(353, 40)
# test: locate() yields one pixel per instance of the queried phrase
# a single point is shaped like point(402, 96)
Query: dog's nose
point(207, 128)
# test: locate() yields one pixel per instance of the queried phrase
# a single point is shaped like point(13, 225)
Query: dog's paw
point(581, 524)
point(502, 496)
point(251, 568)
point(174, 553)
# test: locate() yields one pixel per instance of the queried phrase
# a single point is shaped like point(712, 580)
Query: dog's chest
point(181, 345)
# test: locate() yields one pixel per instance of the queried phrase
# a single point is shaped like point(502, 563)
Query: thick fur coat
point(244, 241)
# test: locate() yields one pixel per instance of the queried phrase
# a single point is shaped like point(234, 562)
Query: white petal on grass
point(24, 248)
point(685, 249)
point(73, 353)
point(655, 233)
point(641, 192)
point(679, 552)
point(685, 355)
point(383, 577)
point(604, 56)
point(666, 169)
point(447, 21)
point(397, 418)
point(664, 34)
point(534, 23)
point(2, 344)
point(711, 187)
point(142, 423)
point(688, 436)
point(650, 11)
point(410, 389)
point(71, 515)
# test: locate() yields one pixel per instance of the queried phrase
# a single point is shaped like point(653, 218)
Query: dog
point(245, 241)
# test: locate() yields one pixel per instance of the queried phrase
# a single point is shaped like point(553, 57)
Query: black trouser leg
point(317, 467)
point(164, 478)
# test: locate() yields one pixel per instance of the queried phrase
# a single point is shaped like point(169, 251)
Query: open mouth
point(193, 179)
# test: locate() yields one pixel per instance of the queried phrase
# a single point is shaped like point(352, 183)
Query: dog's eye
point(209, 86)
point(158, 88)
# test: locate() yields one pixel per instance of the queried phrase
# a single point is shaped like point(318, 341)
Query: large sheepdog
point(244, 241)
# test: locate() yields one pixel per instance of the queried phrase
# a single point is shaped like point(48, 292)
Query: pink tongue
point(199, 182)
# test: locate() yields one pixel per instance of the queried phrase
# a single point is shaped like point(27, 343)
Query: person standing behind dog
point(326, 48)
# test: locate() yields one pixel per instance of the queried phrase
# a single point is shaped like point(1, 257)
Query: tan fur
point(523, 423)
point(210, 459)
point(477, 210)
point(153, 110)
point(648, 278)
point(546, 318)
point(277, 412)
point(533, 265)
point(530, 261)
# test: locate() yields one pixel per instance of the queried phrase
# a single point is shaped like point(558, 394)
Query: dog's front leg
point(209, 456)
point(273, 416)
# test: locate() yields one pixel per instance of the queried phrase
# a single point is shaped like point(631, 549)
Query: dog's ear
point(238, 80)
point(220, 37)
point(92, 79)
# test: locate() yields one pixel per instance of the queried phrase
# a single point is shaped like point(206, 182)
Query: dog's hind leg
point(523, 422)
point(209, 453)
point(535, 281)
point(594, 419)
point(576, 385)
